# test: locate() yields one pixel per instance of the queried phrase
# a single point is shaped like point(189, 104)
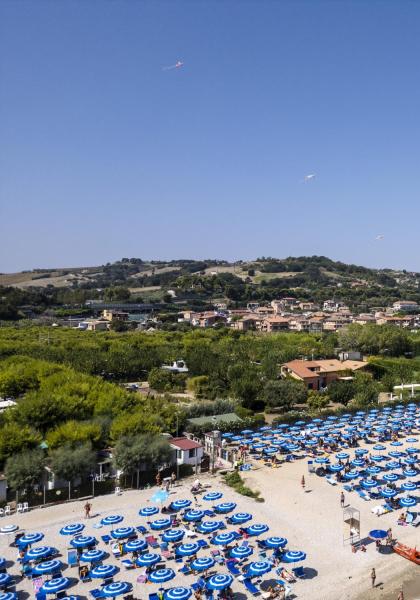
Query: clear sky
point(104, 154)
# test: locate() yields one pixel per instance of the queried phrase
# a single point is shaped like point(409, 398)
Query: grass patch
point(235, 481)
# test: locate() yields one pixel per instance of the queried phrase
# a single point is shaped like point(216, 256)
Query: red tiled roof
point(184, 443)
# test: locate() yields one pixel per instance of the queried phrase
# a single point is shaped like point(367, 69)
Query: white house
point(188, 452)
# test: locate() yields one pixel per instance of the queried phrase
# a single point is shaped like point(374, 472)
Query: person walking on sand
point(302, 482)
point(342, 499)
point(401, 595)
point(373, 577)
point(87, 507)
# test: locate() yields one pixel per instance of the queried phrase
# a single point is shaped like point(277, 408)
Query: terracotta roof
point(184, 443)
point(312, 368)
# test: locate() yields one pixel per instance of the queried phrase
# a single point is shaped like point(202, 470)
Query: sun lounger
point(363, 494)
point(348, 487)
point(232, 568)
point(141, 529)
point(416, 521)
point(152, 541)
point(203, 544)
point(409, 518)
point(106, 538)
point(96, 593)
point(252, 589)
point(127, 563)
point(299, 572)
point(153, 596)
point(331, 480)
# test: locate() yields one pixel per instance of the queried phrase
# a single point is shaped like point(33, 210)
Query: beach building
point(186, 451)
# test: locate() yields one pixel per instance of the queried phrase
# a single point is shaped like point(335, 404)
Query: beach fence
point(90, 487)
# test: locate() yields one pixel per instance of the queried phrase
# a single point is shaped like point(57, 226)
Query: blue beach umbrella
point(194, 515)
point(148, 511)
point(212, 496)
point(72, 529)
point(342, 455)
point(30, 538)
point(407, 502)
point(160, 524)
point(53, 586)
point(275, 542)
point(92, 556)
point(135, 545)
point(357, 462)
point(368, 483)
point(225, 507)
point(3, 562)
point(180, 504)
point(122, 532)
point(219, 582)
point(336, 468)
point(294, 556)
point(8, 596)
point(188, 549)
point(7, 529)
point(117, 588)
point(240, 517)
point(373, 470)
point(178, 593)
point(409, 486)
point(83, 541)
point(390, 477)
point(5, 578)
point(322, 460)
point(410, 472)
point(223, 539)
point(377, 534)
point(202, 564)
point(104, 571)
point(379, 447)
point(256, 569)
point(49, 566)
point(393, 465)
point(173, 535)
point(209, 526)
point(39, 552)
point(161, 575)
point(388, 493)
point(257, 529)
point(241, 552)
point(147, 559)
point(112, 520)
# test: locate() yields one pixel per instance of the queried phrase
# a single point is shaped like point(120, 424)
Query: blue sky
point(103, 154)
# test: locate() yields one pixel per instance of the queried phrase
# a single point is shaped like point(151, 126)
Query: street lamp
point(214, 421)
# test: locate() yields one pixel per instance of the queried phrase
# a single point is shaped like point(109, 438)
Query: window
point(191, 453)
point(179, 453)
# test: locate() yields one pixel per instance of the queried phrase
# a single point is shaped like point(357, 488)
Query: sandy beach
point(311, 520)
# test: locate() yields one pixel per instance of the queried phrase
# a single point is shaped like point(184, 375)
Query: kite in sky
point(309, 177)
point(177, 65)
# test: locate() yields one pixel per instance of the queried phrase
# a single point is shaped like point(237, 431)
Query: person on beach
point(158, 479)
point(173, 478)
point(87, 507)
point(401, 595)
point(302, 482)
point(342, 499)
point(373, 577)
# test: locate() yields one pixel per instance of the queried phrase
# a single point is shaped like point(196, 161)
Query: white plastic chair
point(25, 506)
point(118, 491)
point(19, 508)
point(7, 510)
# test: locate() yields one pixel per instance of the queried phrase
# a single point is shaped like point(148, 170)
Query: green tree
point(70, 462)
point(15, 438)
point(24, 469)
point(341, 392)
point(283, 394)
point(133, 453)
point(317, 401)
point(74, 432)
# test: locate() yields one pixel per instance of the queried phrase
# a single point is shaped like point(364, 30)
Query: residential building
point(318, 374)
point(274, 323)
point(405, 306)
point(114, 315)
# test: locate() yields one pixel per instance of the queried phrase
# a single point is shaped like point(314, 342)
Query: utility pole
point(177, 434)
